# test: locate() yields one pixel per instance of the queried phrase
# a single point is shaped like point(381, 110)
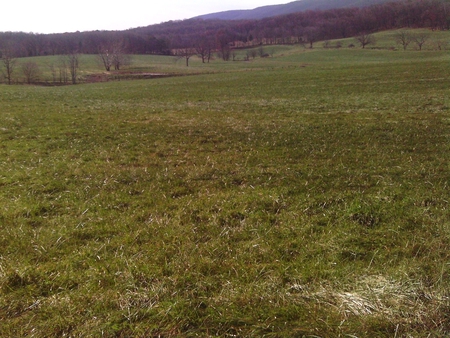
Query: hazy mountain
point(292, 7)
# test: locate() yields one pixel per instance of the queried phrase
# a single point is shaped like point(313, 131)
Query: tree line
point(64, 71)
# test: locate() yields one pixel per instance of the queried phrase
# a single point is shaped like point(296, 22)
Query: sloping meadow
point(305, 198)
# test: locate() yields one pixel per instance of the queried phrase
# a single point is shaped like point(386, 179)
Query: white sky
point(56, 16)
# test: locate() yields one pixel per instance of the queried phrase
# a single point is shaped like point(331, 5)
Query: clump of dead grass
point(406, 305)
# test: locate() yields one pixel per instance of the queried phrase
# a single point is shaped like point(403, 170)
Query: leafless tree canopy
point(31, 72)
point(420, 39)
point(113, 54)
point(120, 59)
point(365, 39)
point(186, 53)
point(311, 35)
point(404, 38)
point(204, 47)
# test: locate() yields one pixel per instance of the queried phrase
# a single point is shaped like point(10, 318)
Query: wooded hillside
point(301, 27)
point(289, 8)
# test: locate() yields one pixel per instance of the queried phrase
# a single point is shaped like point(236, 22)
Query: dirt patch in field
point(105, 77)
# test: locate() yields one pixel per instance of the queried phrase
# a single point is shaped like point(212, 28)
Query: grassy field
point(305, 194)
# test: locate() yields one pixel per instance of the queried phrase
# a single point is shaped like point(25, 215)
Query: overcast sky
point(56, 16)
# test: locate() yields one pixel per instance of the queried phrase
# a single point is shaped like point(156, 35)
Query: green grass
point(300, 195)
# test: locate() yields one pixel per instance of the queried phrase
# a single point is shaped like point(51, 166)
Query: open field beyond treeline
point(304, 194)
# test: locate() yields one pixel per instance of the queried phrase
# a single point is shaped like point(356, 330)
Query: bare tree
point(105, 58)
point(403, 38)
point(223, 38)
point(186, 53)
point(31, 72)
point(63, 70)
point(120, 60)
point(202, 51)
point(311, 35)
point(440, 44)
point(52, 69)
point(224, 53)
point(365, 39)
point(112, 53)
point(119, 56)
point(420, 39)
point(204, 48)
point(73, 62)
point(9, 62)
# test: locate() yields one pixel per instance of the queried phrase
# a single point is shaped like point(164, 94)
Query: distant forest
point(302, 27)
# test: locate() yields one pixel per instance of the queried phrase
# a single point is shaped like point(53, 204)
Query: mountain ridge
point(288, 8)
